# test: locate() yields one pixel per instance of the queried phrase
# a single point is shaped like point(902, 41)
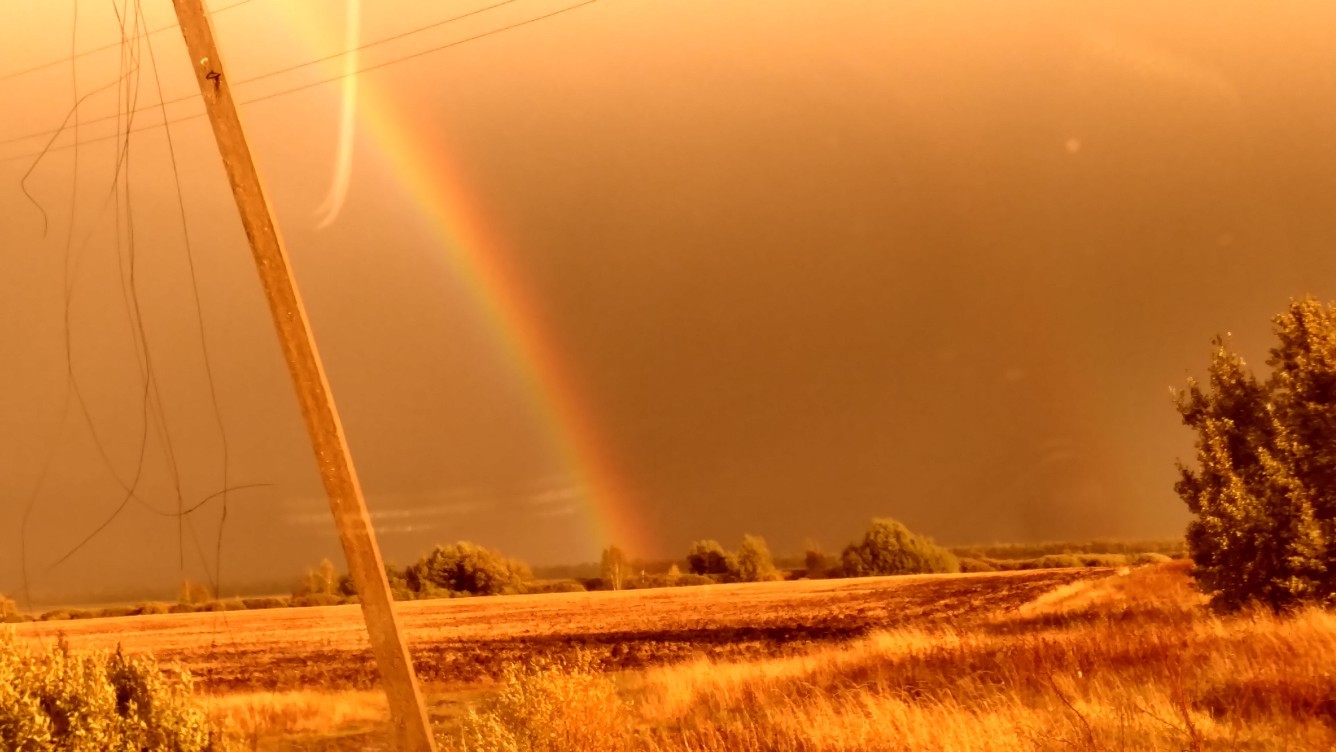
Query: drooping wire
point(151, 398)
point(151, 401)
point(199, 321)
point(327, 58)
point(152, 417)
point(69, 239)
point(119, 43)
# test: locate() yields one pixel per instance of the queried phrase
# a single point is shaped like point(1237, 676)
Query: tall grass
point(247, 719)
point(1130, 662)
point(551, 706)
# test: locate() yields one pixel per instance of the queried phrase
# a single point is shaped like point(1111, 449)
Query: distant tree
point(674, 574)
point(889, 548)
point(398, 577)
point(465, 567)
point(1264, 489)
point(345, 586)
point(614, 568)
point(9, 610)
point(815, 563)
point(194, 593)
point(754, 563)
point(329, 577)
point(311, 583)
point(708, 557)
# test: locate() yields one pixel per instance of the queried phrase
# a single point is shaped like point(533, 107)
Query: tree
point(1262, 492)
point(328, 577)
point(465, 567)
point(323, 580)
point(194, 593)
point(708, 557)
point(9, 610)
point(614, 568)
point(890, 548)
point(398, 578)
point(814, 561)
point(754, 563)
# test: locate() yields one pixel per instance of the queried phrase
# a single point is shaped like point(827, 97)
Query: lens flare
point(343, 165)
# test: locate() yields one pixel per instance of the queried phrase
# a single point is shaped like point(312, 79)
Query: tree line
point(466, 569)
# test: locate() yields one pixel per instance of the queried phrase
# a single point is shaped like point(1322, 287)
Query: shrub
point(316, 599)
point(1056, 561)
point(754, 563)
point(1264, 490)
point(258, 604)
point(554, 586)
point(231, 604)
point(889, 548)
point(708, 557)
point(427, 592)
point(1141, 560)
point(551, 706)
point(59, 700)
point(689, 579)
point(1016, 551)
point(975, 565)
point(9, 612)
point(152, 608)
point(468, 568)
point(1105, 560)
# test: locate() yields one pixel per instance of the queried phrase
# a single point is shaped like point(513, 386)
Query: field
point(1063, 659)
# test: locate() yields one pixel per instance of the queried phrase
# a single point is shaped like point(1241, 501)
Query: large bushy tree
point(468, 568)
point(889, 547)
point(754, 563)
point(1264, 488)
point(814, 561)
point(708, 557)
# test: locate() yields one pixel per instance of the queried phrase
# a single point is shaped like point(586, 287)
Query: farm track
point(472, 639)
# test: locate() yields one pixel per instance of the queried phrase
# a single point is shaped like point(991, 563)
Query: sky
point(643, 272)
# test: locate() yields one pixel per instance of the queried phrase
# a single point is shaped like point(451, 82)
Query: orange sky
point(805, 262)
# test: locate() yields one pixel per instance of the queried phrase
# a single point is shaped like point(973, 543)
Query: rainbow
point(474, 252)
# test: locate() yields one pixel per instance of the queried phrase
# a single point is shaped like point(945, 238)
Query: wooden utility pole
point(411, 730)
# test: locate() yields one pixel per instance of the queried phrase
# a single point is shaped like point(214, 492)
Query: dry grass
point(253, 717)
point(1126, 663)
point(1123, 663)
point(1088, 661)
point(475, 639)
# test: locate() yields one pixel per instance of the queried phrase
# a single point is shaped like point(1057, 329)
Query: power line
point(105, 47)
point(280, 71)
point(318, 82)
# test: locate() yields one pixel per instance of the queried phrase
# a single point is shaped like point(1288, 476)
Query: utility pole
point(407, 712)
